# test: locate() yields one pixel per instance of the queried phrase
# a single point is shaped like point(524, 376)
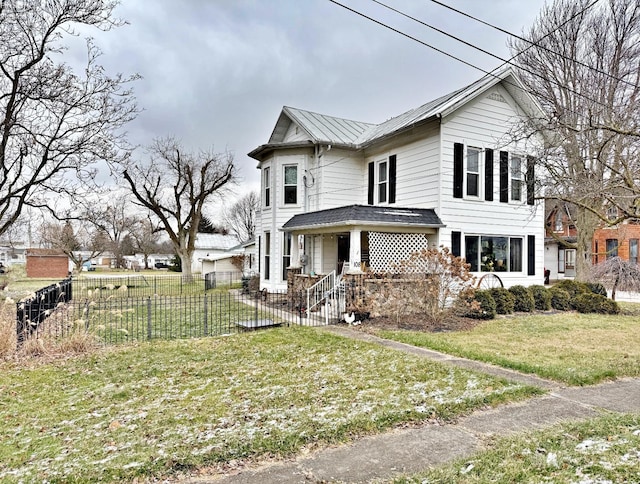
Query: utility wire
point(491, 54)
point(537, 42)
point(490, 73)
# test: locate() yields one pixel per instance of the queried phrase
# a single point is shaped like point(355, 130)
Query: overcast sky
point(216, 73)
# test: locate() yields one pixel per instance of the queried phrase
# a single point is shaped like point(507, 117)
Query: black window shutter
point(392, 179)
point(371, 182)
point(488, 175)
point(456, 249)
point(504, 176)
point(531, 179)
point(531, 255)
point(458, 171)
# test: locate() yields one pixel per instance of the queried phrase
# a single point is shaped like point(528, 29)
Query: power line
point(537, 42)
point(491, 73)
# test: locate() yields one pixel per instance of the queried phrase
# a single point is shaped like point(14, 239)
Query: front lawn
point(601, 450)
point(577, 349)
point(153, 409)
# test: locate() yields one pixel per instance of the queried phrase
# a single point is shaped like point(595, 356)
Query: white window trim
point(297, 185)
point(521, 179)
point(266, 185)
point(478, 172)
point(379, 182)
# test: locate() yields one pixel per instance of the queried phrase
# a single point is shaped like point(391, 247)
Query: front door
point(343, 252)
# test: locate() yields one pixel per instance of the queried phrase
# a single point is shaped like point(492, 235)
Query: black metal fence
point(32, 312)
point(140, 285)
point(119, 320)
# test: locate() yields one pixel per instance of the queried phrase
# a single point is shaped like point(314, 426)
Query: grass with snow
point(602, 450)
point(578, 349)
point(154, 409)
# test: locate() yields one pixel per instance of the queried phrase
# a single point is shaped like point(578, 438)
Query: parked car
point(161, 265)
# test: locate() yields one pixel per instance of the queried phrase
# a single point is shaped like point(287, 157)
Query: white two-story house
point(353, 196)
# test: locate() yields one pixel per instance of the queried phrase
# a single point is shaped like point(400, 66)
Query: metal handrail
point(319, 291)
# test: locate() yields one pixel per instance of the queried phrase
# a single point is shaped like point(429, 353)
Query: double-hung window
point(286, 254)
point(516, 178)
point(267, 256)
point(383, 181)
point(291, 184)
point(612, 248)
point(633, 251)
point(473, 172)
point(266, 186)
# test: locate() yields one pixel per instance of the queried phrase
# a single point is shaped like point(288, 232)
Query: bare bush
point(430, 283)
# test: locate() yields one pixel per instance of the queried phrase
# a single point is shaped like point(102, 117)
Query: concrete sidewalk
point(384, 456)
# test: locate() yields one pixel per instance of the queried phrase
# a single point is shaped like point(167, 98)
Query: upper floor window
point(516, 178)
point(266, 186)
point(473, 172)
point(291, 184)
point(383, 181)
point(558, 227)
point(633, 251)
point(612, 213)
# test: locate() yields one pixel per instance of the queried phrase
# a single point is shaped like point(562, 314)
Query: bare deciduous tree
point(74, 240)
point(53, 120)
point(241, 217)
point(175, 186)
point(145, 236)
point(582, 62)
point(113, 218)
point(617, 274)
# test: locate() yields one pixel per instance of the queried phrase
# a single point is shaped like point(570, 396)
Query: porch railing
point(319, 292)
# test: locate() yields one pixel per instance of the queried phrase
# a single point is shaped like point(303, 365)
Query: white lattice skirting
point(387, 249)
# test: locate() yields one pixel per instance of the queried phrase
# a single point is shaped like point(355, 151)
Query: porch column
point(354, 251)
point(295, 250)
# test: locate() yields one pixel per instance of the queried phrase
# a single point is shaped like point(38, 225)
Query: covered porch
point(357, 239)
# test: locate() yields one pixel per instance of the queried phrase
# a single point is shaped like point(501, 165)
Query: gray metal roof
point(321, 128)
point(365, 215)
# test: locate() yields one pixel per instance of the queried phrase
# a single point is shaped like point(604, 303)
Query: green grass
point(577, 349)
point(153, 409)
point(600, 450)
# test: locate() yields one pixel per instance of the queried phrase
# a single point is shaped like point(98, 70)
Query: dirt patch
point(418, 322)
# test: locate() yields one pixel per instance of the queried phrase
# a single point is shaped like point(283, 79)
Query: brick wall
point(53, 266)
point(622, 233)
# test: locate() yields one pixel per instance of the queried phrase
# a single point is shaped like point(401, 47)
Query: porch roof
point(351, 215)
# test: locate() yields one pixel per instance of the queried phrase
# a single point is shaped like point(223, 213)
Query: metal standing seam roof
point(328, 129)
point(339, 131)
point(365, 215)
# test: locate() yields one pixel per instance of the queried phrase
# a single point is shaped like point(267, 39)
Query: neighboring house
point(560, 239)
point(618, 240)
point(213, 253)
point(351, 196)
point(12, 253)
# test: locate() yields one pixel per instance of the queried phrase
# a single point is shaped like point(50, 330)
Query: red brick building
point(620, 240)
point(47, 263)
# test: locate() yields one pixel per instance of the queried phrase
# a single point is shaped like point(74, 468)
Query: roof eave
point(353, 223)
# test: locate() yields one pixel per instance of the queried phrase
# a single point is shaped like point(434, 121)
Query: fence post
point(206, 326)
point(149, 318)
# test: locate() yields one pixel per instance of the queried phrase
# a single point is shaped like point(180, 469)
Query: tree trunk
point(587, 223)
point(185, 260)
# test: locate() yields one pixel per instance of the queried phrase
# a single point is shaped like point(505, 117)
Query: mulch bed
point(418, 322)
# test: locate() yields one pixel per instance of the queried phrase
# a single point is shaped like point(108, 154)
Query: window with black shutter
point(504, 177)
point(531, 255)
point(371, 183)
point(488, 175)
point(458, 169)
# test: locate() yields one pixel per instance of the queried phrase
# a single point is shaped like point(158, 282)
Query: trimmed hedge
point(505, 301)
point(560, 299)
point(595, 303)
point(597, 288)
point(524, 299)
point(541, 297)
point(482, 306)
point(574, 288)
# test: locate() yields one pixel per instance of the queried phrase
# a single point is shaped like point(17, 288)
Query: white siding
point(341, 180)
point(482, 123)
point(294, 133)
